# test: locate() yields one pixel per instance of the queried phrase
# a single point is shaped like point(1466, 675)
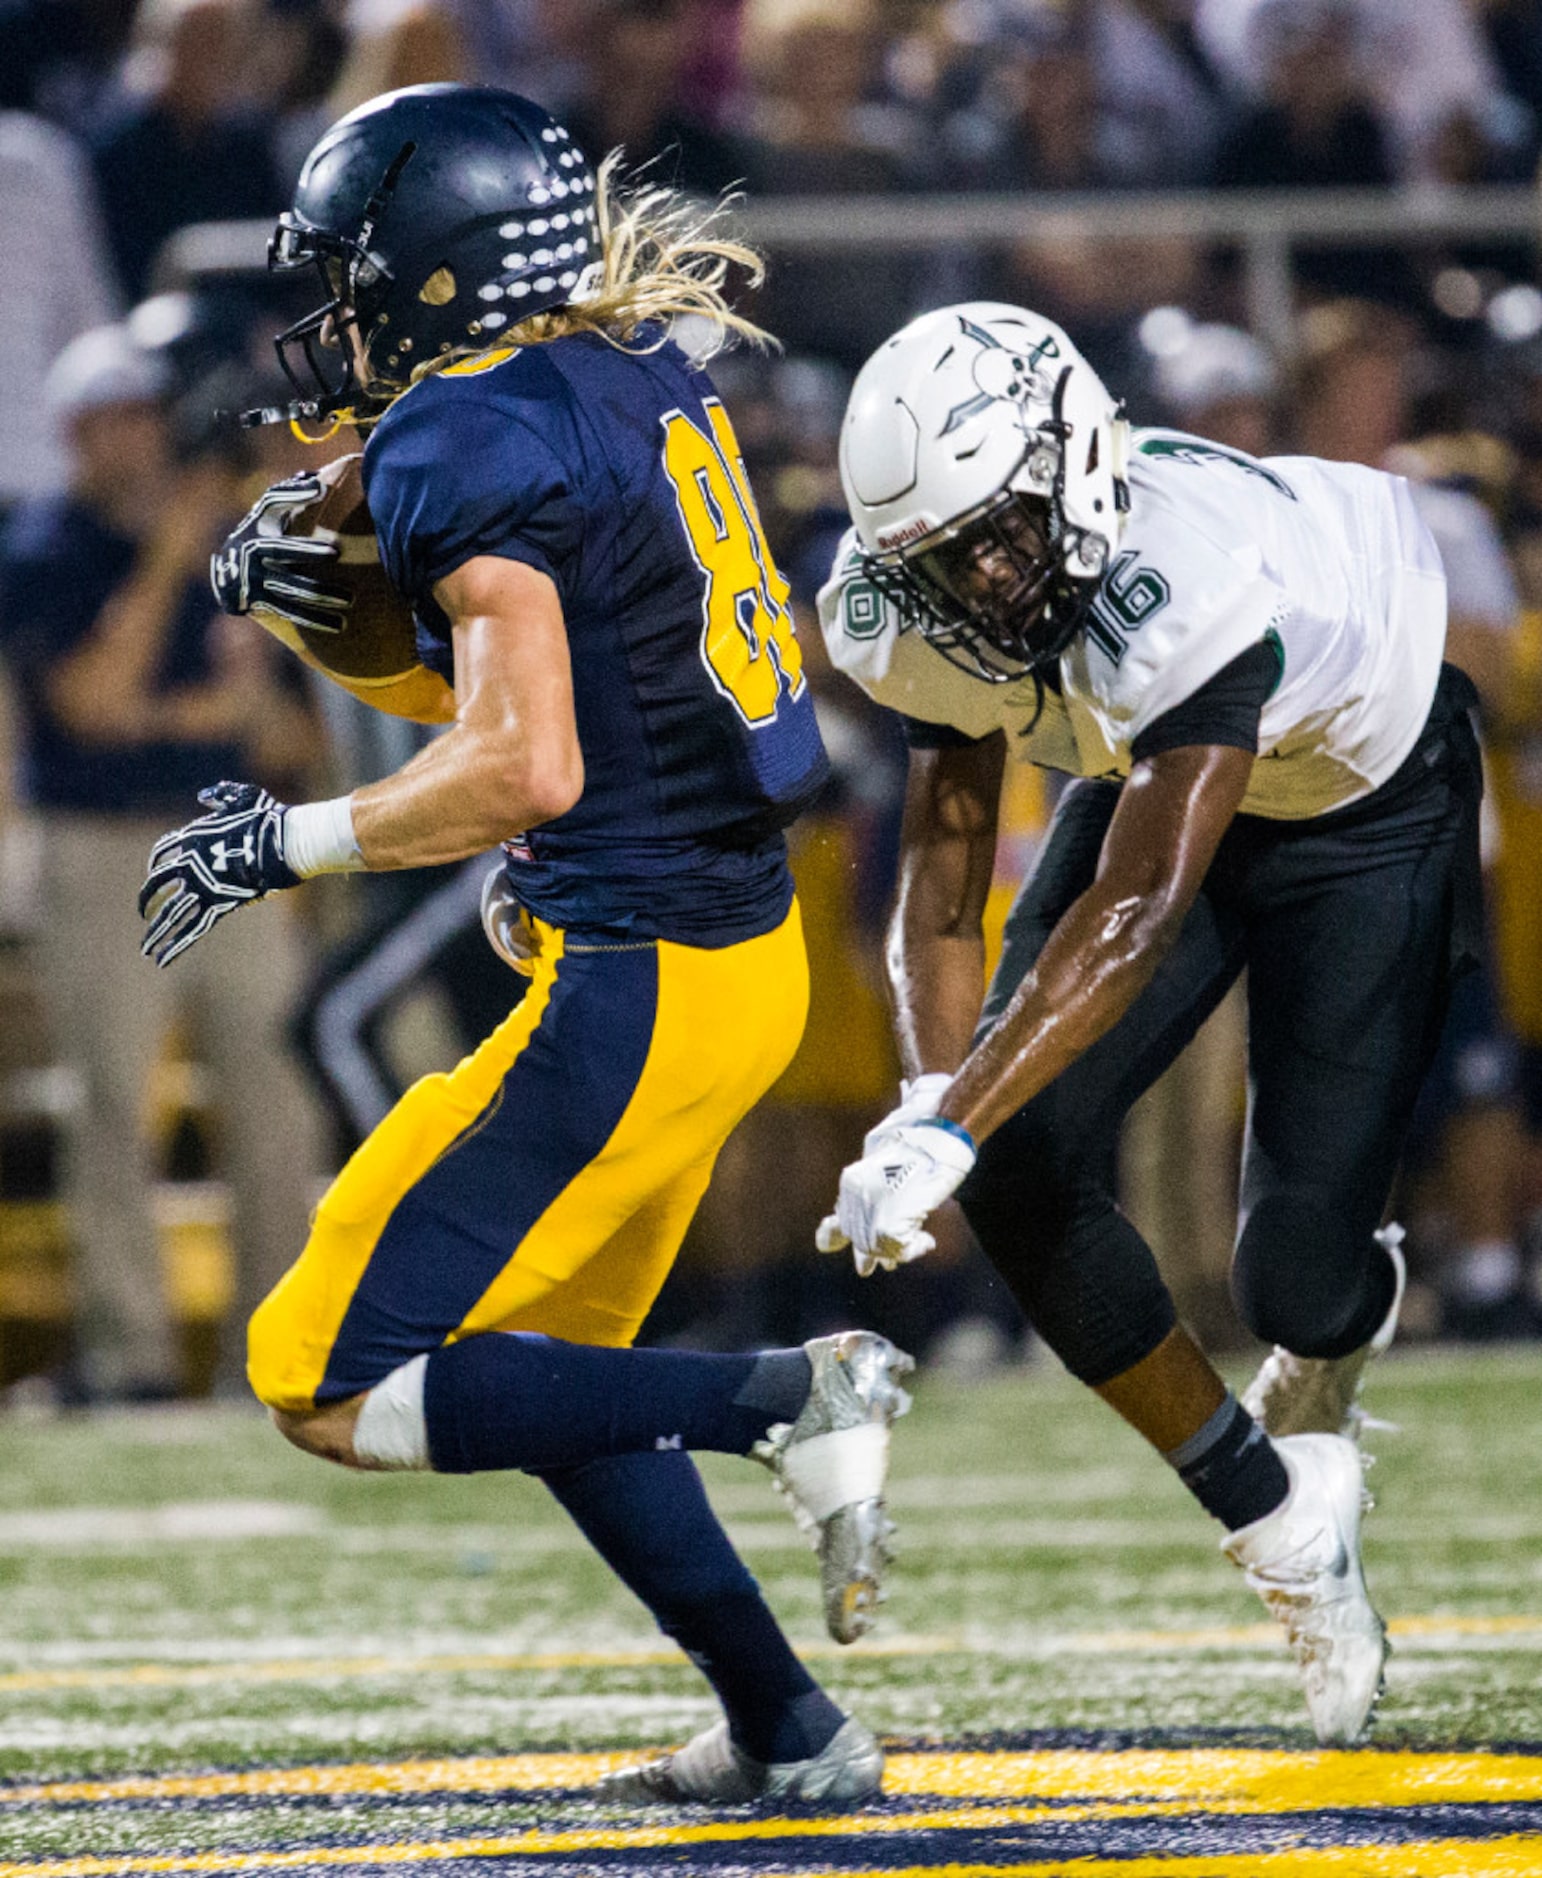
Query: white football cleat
point(710, 1771)
point(1303, 1560)
point(831, 1464)
point(1320, 1395)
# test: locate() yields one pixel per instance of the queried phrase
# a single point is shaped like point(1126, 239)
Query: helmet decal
point(1001, 375)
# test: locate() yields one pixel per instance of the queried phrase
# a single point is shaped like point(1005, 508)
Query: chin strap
point(340, 419)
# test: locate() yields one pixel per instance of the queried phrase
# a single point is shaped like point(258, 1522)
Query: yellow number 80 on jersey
point(748, 643)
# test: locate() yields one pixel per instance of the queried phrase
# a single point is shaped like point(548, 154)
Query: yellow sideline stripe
point(1265, 1780)
point(1515, 1856)
point(341, 1668)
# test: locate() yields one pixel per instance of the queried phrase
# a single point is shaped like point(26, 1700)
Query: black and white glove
point(201, 872)
point(260, 565)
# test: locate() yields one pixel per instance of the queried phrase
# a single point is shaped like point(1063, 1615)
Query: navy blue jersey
point(616, 473)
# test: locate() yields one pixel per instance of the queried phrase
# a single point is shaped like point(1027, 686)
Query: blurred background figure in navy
point(131, 691)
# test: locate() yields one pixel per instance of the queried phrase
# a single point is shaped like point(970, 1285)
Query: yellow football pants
point(545, 1183)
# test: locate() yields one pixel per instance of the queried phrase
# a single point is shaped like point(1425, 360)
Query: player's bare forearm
point(935, 956)
point(511, 759)
point(1171, 815)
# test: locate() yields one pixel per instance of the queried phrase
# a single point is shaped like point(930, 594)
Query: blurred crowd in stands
point(121, 125)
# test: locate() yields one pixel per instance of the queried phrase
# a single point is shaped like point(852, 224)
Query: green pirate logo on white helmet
point(1002, 374)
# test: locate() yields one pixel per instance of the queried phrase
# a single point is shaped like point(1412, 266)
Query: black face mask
point(995, 598)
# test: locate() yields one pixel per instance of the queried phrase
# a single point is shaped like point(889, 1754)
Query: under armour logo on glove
point(201, 872)
point(223, 853)
point(885, 1197)
point(260, 565)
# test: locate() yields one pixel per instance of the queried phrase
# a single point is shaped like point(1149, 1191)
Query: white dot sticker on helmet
point(494, 320)
point(492, 291)
point(511, 231)
point(545, 284)
point(516, 259)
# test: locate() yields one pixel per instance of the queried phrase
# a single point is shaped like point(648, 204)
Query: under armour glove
point(260, 565)
point(885, 1197)
point(199, 873)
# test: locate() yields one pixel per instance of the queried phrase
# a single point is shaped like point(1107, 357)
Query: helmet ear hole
point(439, 289)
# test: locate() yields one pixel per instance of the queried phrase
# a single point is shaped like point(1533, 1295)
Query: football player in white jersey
point(1240, 662)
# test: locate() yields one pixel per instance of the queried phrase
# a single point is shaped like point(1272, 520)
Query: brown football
point(375, 655)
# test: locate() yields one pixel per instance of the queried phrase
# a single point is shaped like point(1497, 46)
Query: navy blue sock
point(1231, 1467)
point(648, 1517)
point(518, 1400)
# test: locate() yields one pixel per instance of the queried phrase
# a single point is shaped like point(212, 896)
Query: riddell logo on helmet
point(905, 533)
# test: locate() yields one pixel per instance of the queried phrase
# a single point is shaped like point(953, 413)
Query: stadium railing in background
point(1264, 226)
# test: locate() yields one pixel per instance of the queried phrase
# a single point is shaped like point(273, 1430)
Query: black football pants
point(1349, 927)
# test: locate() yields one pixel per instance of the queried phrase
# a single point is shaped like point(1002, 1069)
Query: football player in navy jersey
point(559, 494)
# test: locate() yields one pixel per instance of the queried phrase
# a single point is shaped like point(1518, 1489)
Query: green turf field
point(181, 1594)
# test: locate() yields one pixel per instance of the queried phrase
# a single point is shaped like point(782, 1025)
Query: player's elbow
point(544, 781)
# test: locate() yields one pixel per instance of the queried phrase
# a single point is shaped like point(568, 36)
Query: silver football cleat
point(710, 1771)
point(1303, 1560)
point(831, 1464)
point(1320, 1395)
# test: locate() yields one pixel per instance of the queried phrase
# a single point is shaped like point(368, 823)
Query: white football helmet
point(984, 466)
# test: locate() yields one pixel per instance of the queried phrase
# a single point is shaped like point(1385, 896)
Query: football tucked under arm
point(304, 563)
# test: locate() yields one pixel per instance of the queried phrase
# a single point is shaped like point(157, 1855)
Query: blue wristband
point(953, 1128)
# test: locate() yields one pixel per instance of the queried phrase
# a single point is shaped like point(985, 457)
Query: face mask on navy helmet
point(434, 218)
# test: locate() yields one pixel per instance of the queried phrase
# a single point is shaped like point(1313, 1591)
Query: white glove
point(919, 1101)
point(885, 1197)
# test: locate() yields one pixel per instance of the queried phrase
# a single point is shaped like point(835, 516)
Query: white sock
point(391, 1431)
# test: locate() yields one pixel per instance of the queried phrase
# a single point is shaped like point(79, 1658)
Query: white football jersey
point(1219, 552)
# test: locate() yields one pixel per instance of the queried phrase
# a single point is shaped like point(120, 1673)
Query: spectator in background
point(1040, 123)
point(639, 54)
point(1352, 405)
point(55, 282)
point(1158, 85)
point(393, 43)
point(816, 131)
point(1221, 383)
point(55, 55)
point(1420, 59)
point(1350, 400)
point(184, 147)
point(1314, 128)
point(1471, 1113)
point(133, 691)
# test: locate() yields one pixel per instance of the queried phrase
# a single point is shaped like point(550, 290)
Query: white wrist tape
point(319, 838)
point(390, 1431)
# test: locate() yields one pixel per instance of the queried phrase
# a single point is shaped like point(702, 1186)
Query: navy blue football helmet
point(435, 215)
